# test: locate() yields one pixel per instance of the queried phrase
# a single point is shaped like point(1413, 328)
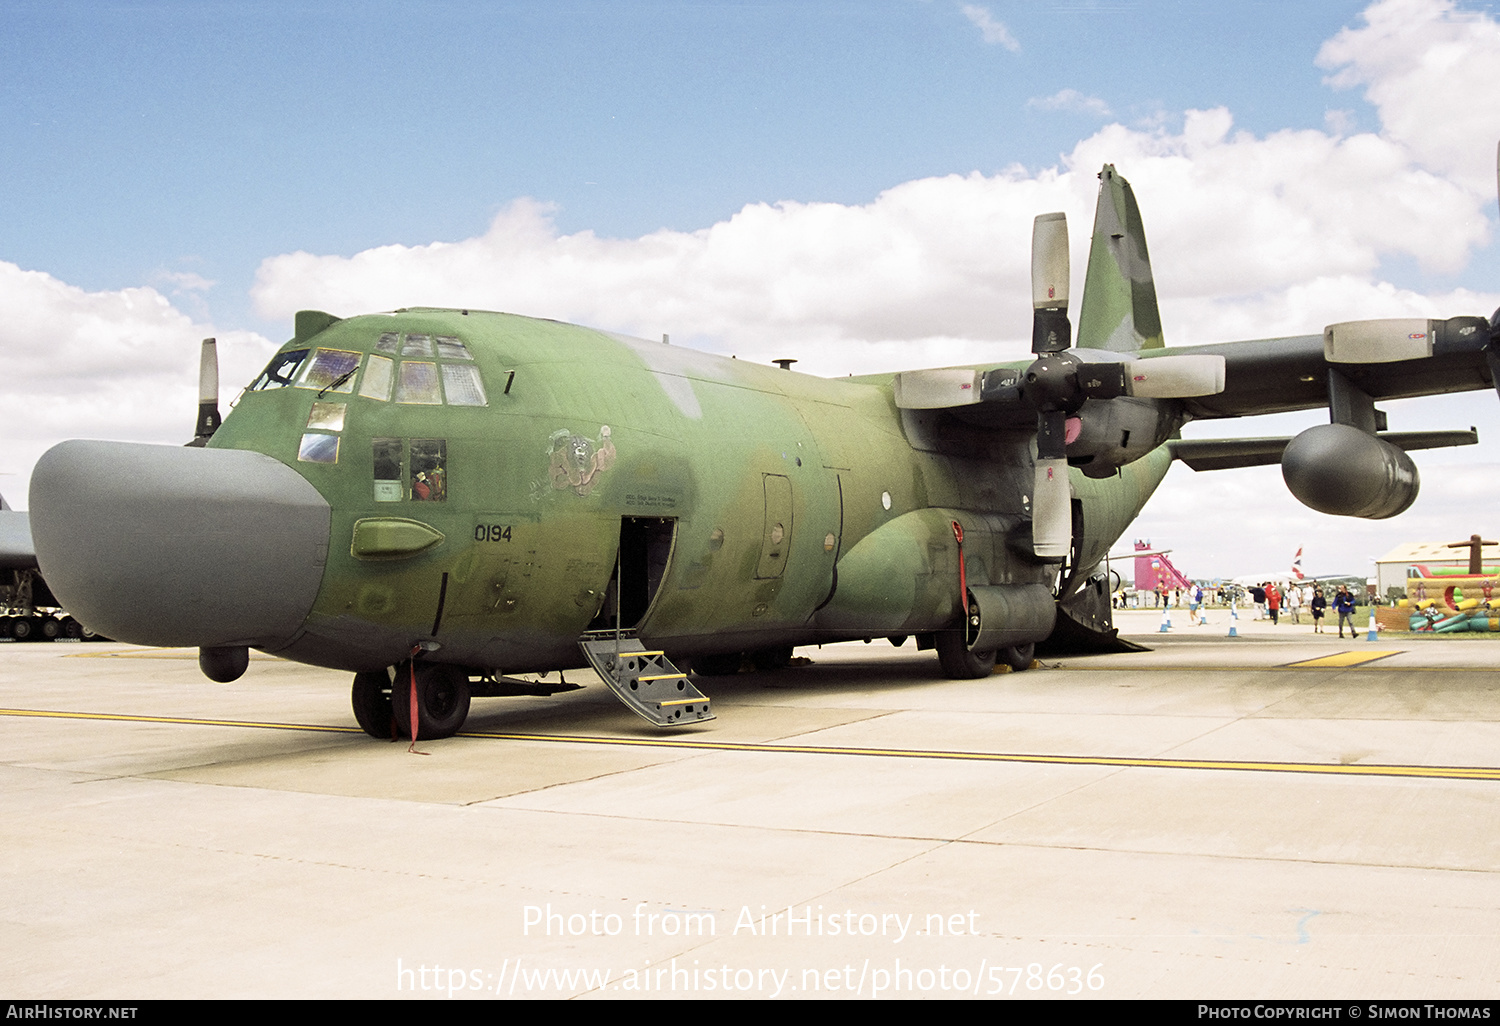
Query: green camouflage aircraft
point(433, 499)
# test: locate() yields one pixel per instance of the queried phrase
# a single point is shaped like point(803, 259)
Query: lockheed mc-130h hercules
point(432, 499)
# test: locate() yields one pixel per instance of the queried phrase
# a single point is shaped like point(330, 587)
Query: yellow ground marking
point(191, 721)
point(150, 653)
point(1334, 769)
point(1352, 658)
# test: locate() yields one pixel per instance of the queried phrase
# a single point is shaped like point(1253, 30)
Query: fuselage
point(497, 485)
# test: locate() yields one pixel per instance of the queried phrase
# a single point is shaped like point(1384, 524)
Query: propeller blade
point(1050, 330)
point(208, 393)
point(1165, 377)
point(1051, 498)
point(937, 389)
point(1175, 377)
point(1051, 510)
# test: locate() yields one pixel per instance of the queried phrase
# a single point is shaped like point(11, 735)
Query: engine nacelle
point(1337, 469)
point(1114, 432)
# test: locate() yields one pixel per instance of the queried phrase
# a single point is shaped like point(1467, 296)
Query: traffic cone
point(1234, 617)
point(1166, 619)
point(1374, 634)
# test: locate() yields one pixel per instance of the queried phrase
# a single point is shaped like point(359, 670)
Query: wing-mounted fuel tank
point(1338, 469)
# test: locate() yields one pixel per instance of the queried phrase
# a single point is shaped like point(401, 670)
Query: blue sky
point(202, 137)
point(172, 170)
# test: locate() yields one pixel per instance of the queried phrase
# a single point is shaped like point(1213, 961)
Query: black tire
point(51, 628)
point(72, 628)
point(21, 628)
point(1018, 658)
point(442, 700)
point(958, 662)
point(371, 698)
point(718, 664)
point(769, 660)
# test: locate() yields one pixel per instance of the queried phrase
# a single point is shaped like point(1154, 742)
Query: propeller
point(1047, 383)
point(1061, 379)
point(208, 394)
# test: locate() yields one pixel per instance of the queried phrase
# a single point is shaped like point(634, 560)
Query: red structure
point(1153, 572)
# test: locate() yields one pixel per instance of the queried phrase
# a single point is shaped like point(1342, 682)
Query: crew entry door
point(640, 568)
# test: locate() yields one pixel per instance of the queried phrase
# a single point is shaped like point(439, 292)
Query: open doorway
point(641, 566)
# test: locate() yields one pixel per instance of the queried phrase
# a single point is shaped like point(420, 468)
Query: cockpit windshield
point(280, 371)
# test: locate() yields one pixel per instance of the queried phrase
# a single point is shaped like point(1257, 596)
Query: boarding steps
point(645, 680)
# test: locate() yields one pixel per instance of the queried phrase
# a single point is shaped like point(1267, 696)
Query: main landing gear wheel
point(371, 699)
point(442, 700)
point(958, 662)
point(769, 660)
point(1019, 657)
point(717, 664)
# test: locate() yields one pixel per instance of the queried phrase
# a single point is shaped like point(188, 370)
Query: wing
point(1118, 395)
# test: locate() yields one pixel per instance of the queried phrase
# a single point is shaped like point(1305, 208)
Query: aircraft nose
point(159, 545)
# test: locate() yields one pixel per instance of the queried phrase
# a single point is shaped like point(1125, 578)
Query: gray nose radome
point(159, 545)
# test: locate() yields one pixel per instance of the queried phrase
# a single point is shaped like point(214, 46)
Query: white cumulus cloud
point(1430, 70)
point(1070, 100)
point(117, 364)
point(1250, 236)
point(990, 30)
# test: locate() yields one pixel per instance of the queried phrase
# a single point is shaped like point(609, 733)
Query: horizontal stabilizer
point(1233, 453)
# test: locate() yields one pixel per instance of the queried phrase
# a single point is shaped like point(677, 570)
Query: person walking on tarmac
point(1343, 604)
point(1318, 605)
point(1273, 601)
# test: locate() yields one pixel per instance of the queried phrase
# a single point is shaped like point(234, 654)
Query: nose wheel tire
point(442, 700)
point(371, 699)
point(958, 662)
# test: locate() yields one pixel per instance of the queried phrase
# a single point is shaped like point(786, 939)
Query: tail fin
point(1119, 295)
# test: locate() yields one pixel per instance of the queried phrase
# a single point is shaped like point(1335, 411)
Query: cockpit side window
point(429, 469)
point(387, 453)
point(280, 371)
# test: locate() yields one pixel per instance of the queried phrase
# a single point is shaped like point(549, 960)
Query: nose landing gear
point(383, 707)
